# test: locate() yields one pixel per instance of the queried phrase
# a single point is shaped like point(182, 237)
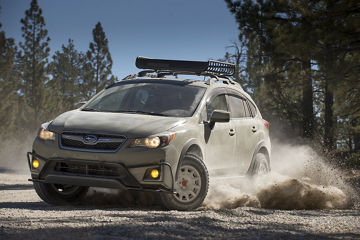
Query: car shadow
point(6, 170)
point(94, 200)
point(16, 187)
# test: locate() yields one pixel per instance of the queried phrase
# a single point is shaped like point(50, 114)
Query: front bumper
point(100, 174)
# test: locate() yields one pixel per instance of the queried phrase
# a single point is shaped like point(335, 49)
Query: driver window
point(217, 103)
point(112, 101)
point(141, 98)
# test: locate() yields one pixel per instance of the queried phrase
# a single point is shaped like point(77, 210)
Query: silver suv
point(152, 133)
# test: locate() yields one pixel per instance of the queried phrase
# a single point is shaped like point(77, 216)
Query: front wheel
point(191, 185)
point(58, 194)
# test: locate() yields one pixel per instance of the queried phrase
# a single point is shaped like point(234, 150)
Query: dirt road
point(24, 216)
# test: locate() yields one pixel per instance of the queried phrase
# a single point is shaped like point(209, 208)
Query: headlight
point(46, 135)
point(153, 142)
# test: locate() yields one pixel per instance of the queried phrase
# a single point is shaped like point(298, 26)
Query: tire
point(191, 186)
point(56, 194)
point(261, 165)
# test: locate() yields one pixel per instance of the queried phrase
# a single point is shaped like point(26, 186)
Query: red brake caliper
point(184, 183)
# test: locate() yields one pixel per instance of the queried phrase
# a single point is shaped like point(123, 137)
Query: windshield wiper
point(90, 109)
point(143, 112)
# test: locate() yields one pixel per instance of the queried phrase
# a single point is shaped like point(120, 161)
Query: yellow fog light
point(35, 163)
point(154, 173)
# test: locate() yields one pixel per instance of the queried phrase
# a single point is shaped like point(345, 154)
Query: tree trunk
point(307, 106)
point(357, 142)
point(329, 119)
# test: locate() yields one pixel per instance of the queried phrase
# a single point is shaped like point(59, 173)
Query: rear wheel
point(191, 185)
point(261, 165)
point(58, 194)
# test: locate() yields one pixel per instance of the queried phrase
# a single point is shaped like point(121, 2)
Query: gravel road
point(24, 216)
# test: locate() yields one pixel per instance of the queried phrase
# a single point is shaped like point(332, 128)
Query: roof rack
point(174, 67)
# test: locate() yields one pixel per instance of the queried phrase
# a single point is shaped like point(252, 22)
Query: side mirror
point(220, 116)
point(79, 104)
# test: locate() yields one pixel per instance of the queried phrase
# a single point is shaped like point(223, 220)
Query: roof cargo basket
point(173, 67)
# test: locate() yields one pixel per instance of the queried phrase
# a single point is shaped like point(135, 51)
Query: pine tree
point(296, 47)
point(236, 53)
point(9, 85)
point(34, 60)
point(66, 70)
point(277, 51)
point(99, 62)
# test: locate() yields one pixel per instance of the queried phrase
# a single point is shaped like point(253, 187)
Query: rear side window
point(237, 107)
point(252, 108)
point(217, 103)
point(247, 109)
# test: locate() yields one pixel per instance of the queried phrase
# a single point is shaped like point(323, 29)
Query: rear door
point(220, 140)
point(246, 130)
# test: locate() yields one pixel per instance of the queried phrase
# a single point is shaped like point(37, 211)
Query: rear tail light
point(266, 123)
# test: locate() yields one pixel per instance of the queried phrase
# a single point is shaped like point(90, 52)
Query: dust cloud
point(13, 154)
point(300, 179)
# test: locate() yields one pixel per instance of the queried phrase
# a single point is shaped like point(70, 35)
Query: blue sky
point(174, 29)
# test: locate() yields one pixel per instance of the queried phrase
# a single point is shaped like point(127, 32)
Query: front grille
point(107, 143)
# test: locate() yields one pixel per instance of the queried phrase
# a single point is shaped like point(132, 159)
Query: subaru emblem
point(90, 139)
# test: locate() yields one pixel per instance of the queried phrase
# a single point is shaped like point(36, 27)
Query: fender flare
point(260, 145)
point(187, 145)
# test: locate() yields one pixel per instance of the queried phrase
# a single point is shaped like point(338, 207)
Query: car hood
point(129, 125)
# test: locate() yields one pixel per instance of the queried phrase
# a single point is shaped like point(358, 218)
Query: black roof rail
point(174, 67)
point(224, 79)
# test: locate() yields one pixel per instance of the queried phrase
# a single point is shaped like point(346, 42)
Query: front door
point(220, 139)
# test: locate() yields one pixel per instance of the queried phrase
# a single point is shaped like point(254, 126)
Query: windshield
point(148, 98)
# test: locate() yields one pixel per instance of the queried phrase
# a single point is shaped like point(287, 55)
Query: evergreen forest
point(299, 60)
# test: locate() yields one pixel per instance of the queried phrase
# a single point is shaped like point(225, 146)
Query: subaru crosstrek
point(153, 133)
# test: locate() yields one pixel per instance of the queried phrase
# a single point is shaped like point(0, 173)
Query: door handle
point(254, 129)
point(232, 132)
